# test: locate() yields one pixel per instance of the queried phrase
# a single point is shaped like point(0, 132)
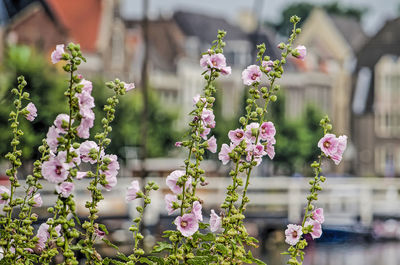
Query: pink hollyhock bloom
point(215, 222)
point(270, 149)
point(87, 86)
point(208, 118)
point(302, 52)
point(32, 111)
point(205, 61)
point(51, 138)
point(133, 189)
point(55, 170)
point(173, 178)
point(217, 61)
point(75, 160)
point(178, 144)
point(226, 70)
point(251, 131)
point(111, 182)
point(56, 55)
point(328, 144)
point(65, 189)
point(267, 130)
point(83, 130)
point(169, 200)
point(80, 175)
point(316, 228)
point(318, 215)
point(212, 144)
point(86, 103)
point(224, 153)
point(59, 121)
point(187, 224)
point(236, 136)
point(293, 234)
point(267, 65)
point(89, 147)
point(2, 191)
point(197, 98)
point(251, 75)
point(259, 150)
point(99, 233)
point(205, 132)
point(340, 149)
point(38, 200)
point(129, 87)
point(196, 210)
point(112, 167)
point(43, 235)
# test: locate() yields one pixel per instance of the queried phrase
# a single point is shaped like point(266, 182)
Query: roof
point(80, 18)
point(351, 30)
point(10, 8)
point(205, 27)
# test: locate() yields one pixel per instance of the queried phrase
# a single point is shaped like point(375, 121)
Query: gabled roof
point(205, 27)
point(351, 30)
point(81, 18)
point(11, 8)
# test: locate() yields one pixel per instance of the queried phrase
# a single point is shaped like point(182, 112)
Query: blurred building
point(375, 104)
point(43, 24)
point(323, 79)
point(175, 46)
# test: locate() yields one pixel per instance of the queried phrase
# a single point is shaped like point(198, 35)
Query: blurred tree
point(46, 88)
point(303, 9)
point(296, 139)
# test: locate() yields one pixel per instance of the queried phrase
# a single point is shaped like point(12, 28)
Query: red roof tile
point(80, 18)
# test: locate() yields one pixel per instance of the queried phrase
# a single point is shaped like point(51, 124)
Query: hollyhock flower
point(267, 65)
point(87, 86)
point(251, 131)
point(217, 61)
point(112, 167)
point(129, 87)
point(270, 149)
point(32, 111)
point(224, 153)
point(178, 144)
point(133, 189)
point(226, 70)
point(205, 132)
point(205, 61)
point(51, 138)
point(236, 136)
point(87, 148)
point(2, 191)
point(251, 75)
point(99, 233)
point(301, 52)
point(65, 189)
point(60, 119)
point(187, 224)
point(208, 118)
point(342, 143)
point(111, 182)
point(86, 103)
point(215, 222)
point(83, 130)
point(196, 210)
point(80, 175)
point(267, 130)
point(169, 200)
point(173, 178)
point(43, 235)
point(38, 200)
point(316, 228)
point(293, 234)
point(55, 170)
point(56, 55)
point(318, 215)
point(62, 155)
point(212, 144)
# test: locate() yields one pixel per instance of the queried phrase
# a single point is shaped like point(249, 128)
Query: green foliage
point(295, 138)
point(303, 10)
point(46, 87)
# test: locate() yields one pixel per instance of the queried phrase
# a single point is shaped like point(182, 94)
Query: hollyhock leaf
point(203, 226)
point(108, 242)
point(201, 260)
point(161, 247)
point(222, 249)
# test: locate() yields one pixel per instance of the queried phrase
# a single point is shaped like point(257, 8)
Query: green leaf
point(155, 260)
point(201, 260)
point(122, 256)
point(161, 247)
point(203, 226)
point(207, 237)
point(221, 248)
point(108, 242)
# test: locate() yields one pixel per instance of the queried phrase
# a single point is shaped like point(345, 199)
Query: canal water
point(355, 253)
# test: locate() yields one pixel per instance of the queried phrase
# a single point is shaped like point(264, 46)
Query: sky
point(379, 10)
